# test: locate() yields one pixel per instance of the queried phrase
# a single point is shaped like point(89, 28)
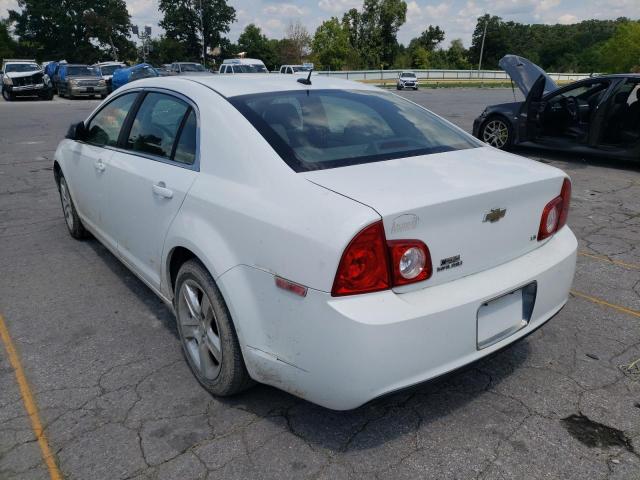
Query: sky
point(456, 17)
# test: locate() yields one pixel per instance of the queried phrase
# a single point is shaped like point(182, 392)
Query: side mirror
point(77, 131)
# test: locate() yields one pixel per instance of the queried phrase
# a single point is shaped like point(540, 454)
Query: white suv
point(407, 80)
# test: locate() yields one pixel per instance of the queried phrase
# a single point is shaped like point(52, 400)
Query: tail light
point(370, 263)
point(410, 261)
point(554, 215)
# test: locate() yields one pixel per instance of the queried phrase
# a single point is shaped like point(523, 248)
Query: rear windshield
point(191, 67)
point(253, 68)
point(319, 129)
point(109, 69)
point(78, 71)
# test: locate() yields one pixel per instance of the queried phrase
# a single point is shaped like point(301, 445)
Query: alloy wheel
point(200, 332)
point(496, 133)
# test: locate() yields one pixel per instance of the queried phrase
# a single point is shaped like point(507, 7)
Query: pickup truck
point(24, 78)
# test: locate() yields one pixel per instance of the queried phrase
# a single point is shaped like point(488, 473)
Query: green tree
point(191, 21)
point(7, 44)
point(457, 56)
point(621, 53)
point(373, 32)
point(78, 30)
point(166, 50)
point(431, 38)
point(256, 45)
point(420, 58)
point(330, 45)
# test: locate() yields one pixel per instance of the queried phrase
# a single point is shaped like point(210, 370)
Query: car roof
point(618, 75)
point(242, 61)
point(103, 64)
point(251, 83)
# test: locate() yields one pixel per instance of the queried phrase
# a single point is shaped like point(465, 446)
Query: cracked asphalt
point(117, 401)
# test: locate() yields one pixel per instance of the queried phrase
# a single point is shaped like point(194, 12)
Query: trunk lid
point(525, 73)
point(475, 209)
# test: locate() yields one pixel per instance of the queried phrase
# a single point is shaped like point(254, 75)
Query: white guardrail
point(441, 75)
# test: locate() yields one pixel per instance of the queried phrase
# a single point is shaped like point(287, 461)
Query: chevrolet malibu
point(321, 236)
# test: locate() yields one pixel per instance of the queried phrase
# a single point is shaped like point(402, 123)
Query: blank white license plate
point(500, 318)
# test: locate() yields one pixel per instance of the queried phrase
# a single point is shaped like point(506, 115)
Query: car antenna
point(306, 81)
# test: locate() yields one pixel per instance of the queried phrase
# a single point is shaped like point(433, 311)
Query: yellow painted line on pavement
point(602, 258)
point(604, 303)
point(29, 402)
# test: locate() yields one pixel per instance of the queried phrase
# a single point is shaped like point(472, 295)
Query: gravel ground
point(117, 400)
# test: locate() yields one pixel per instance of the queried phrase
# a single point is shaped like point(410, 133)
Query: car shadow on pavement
point(393, 417)
point(577, 160)
point(386, 419)
point(156, 307)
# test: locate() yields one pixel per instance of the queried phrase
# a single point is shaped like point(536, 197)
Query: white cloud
point(339, 6)
point(6, 5)
point(436, 12)
point(567, 19)
point(284, 9)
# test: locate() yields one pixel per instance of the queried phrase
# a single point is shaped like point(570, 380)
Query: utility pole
point(145, 36)
point(484, 35)
point(204, 48)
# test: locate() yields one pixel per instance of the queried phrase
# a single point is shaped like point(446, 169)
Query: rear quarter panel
point(247, 207)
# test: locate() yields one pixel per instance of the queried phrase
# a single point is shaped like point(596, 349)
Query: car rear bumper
point(343, 352)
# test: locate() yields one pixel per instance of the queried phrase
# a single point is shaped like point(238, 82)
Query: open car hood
point(525, 73)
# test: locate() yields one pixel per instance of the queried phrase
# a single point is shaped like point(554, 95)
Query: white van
point(243, 65)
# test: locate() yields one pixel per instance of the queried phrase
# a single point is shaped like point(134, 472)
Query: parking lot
point(116, 400)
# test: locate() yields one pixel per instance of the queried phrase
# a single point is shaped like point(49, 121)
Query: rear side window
point(104, 128)
point(318, 129)
point(186, 146)
point(155, 127)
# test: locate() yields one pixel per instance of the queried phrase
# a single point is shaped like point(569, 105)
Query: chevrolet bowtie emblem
point(494, 215)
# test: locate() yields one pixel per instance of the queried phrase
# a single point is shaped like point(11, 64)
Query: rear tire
point(497, 132)
point(74, 224)
point(209, 340)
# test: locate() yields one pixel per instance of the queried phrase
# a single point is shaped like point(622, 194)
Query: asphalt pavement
point(101, 362)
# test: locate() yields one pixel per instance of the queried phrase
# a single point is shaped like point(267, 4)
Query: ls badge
point(494, 215)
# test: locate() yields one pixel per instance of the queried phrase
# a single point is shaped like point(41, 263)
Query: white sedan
point(326, 237)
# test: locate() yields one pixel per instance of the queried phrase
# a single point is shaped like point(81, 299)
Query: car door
point(150, 176)
point(530, 111)
point(87, 168)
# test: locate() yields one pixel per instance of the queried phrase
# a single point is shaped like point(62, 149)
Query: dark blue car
point(130, 74)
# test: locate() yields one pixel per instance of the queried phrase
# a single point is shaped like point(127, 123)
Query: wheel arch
point(57, 173)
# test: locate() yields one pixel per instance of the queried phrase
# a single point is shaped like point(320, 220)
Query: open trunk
point(474, 209)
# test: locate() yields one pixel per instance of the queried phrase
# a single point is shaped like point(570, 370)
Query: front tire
point(208, 336)
point(71, 218)
point(497, 132)
point(7, 95)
